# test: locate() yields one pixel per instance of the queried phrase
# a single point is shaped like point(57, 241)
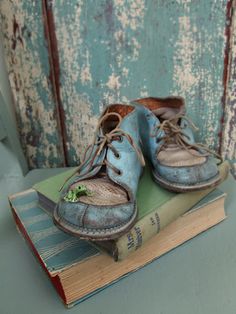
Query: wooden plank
point(106, 51)
point(115, 50)
point(29, 74)
point(228, 147)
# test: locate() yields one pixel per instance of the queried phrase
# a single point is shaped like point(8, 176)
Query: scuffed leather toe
point(93, 220)
point(188, 176)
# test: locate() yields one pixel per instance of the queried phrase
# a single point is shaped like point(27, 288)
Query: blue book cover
point(57, 249)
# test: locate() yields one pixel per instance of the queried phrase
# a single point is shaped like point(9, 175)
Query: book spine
point(55, 280)
point(151, 224)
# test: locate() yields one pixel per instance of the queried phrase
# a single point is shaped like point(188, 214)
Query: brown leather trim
point(123, 110)
point(153, 103)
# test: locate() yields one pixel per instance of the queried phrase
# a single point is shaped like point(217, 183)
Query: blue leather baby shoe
point(99, 203)
point(179, 164)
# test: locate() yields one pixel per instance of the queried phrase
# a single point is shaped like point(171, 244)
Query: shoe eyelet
point(119, 173)
point(120, 140)
point(117, 156)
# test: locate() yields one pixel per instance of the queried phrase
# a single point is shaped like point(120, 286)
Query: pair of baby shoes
point(99, 202)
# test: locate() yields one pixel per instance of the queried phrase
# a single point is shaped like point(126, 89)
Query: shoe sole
point(174, 187)
point(105, 234)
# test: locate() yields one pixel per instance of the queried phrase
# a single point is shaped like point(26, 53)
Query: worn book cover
point(157, 208)
point(72, 264)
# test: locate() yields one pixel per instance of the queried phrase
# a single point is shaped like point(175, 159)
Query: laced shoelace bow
point(174, 134)
point(103, 141)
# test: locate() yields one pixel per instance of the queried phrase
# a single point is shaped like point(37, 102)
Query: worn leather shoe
point(99, 202)
point(179, 164)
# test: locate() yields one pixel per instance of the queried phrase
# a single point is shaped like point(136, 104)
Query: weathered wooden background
point(67, 59)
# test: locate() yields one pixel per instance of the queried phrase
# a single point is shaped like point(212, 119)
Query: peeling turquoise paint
point(28, 68)
point(228, 145)
point(116, 50)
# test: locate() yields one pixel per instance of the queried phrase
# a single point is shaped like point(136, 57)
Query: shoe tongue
point(165, 113)
point(109, 124)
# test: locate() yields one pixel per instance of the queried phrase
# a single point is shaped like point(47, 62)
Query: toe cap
point(80, 215)
point(189, 175)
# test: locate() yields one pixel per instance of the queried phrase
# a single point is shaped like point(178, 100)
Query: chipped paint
point(130, 13)
point(129, 21)
point(93, 71)
point(228, 145)
point(75, 77)
point(113, 82)
point(115, 50)
point(28, 70)
point(186, 48)
point(85, 75)
point(198, 66)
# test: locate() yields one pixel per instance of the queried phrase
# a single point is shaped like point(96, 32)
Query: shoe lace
point(104, 141)
point(174, 134)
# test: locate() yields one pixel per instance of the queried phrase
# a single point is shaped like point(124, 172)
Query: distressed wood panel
point(228, 148)
point(116, 50)
point(103, 51)
point(29, 74)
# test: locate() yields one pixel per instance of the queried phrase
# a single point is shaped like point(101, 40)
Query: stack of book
point(79, 268)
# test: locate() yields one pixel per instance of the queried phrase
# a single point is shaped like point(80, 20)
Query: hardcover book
point(77, 269)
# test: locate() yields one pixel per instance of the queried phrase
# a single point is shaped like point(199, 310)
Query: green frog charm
point(74, 195)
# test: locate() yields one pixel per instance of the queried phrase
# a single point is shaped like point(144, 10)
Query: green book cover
point(149, 195)
point(157, 208)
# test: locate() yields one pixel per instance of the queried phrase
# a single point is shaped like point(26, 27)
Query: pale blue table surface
point(199, 277)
